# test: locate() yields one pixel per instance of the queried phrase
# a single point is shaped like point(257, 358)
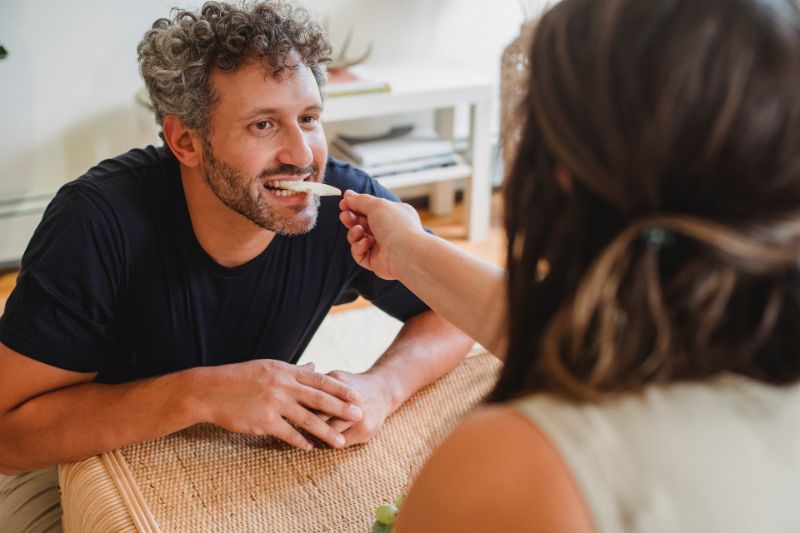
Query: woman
point(652, 335)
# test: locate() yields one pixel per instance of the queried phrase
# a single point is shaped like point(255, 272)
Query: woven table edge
point(101, 494)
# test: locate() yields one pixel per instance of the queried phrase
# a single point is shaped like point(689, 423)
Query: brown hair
point(176, 56)
point(672, 252)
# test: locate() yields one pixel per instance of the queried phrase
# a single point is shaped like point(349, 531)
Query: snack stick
point(320, 189)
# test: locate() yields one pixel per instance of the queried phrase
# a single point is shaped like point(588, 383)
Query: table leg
point(479, 191)
point(443, 192)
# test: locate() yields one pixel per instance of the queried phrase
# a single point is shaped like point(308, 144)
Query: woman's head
point(674, 231)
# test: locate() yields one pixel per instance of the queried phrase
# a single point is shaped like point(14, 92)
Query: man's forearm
point(425, 349)
point(83, 420)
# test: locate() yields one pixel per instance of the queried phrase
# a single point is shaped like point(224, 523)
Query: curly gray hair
point(176, 56)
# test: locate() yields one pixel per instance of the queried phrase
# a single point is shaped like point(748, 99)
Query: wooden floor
point(451, 227)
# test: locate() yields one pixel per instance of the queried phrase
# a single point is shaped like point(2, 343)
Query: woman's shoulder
point(496, 472)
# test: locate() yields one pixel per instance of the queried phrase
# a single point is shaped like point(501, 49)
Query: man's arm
point(426, 348)
point(49, 415)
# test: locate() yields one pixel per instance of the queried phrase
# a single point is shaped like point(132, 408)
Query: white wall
point(67, 86)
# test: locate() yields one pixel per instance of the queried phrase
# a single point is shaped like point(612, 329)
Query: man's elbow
point(9, 471)
point(8, 466)
point(12, 457)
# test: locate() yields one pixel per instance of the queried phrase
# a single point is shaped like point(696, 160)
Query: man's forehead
point(255, 80)
point(290, 65)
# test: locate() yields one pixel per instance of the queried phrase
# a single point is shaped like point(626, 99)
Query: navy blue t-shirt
point(115, 281)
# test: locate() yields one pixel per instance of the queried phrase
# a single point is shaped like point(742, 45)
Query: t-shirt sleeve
point(61, 311)
point(392, 297)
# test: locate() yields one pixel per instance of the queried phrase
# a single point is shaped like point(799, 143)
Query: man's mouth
point(277, 187)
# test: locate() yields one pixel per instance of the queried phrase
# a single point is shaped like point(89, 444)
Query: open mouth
point(293, 187)
point(283, 187)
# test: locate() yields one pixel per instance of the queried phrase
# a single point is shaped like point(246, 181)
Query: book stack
point(352, 81)
point(399, 151)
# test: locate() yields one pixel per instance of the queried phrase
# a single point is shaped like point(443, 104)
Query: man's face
point(263, 130)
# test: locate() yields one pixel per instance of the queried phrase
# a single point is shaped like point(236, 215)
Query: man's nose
point(295, 149)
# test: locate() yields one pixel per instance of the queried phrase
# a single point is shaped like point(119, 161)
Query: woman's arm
point(496, 472)
point(388, 238)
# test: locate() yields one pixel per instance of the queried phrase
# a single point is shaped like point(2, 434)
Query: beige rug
point(207, 479)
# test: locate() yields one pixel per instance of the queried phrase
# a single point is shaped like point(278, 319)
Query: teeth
point(281, 192)
point(283, 187)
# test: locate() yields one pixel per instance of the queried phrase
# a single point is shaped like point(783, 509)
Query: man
point(174, 286)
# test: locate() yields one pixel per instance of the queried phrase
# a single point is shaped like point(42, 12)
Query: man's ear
point(184, 142)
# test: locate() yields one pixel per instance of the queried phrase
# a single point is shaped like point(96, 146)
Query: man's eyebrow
point(274, 110)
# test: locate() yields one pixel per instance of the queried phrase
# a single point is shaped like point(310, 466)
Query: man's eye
point(308, 119)
point(261, 125)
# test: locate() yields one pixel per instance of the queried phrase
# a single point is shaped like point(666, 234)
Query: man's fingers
point(284, 431)
point(339, 425)
point(310, 422)
point(354, 435)
point(325, 403)
point(327, 384)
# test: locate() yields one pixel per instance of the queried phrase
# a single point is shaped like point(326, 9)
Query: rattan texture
point(207, 479)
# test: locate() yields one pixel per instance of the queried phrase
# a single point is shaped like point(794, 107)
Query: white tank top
point(719, 456)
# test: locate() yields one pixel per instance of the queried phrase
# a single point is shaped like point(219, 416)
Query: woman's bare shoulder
point(496, 472)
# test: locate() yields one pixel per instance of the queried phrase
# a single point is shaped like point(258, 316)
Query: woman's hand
point(377, 230)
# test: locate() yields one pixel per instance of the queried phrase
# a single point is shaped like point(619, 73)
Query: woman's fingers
point(355, 234)
point(348, 218)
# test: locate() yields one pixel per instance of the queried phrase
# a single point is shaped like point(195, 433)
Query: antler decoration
point(340, 62)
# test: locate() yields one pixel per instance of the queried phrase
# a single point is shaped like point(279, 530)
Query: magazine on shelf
point(398, 150)
point(351, 81)
point(411, 165)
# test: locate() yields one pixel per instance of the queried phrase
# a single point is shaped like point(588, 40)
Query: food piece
point(377, 527)
point(399, 500)
point(320, 189)
point(386, 513)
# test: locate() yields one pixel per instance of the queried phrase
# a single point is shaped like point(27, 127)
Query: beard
point(246, 195)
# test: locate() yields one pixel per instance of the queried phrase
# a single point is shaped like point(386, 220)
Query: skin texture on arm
point(49, 415)
point(426, 348)
point(388, 239)
point(496, 472)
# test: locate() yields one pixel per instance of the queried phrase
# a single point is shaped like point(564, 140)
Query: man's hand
point(375, 401)
point(262, 397)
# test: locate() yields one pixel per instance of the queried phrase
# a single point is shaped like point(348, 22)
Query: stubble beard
point(246, 196)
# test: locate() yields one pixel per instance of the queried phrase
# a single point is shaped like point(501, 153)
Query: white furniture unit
point(414, 87)
point(420, 87)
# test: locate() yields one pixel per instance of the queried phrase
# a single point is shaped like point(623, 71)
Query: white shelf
point(413, 87)
point(422, 177)
point(439, 87)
